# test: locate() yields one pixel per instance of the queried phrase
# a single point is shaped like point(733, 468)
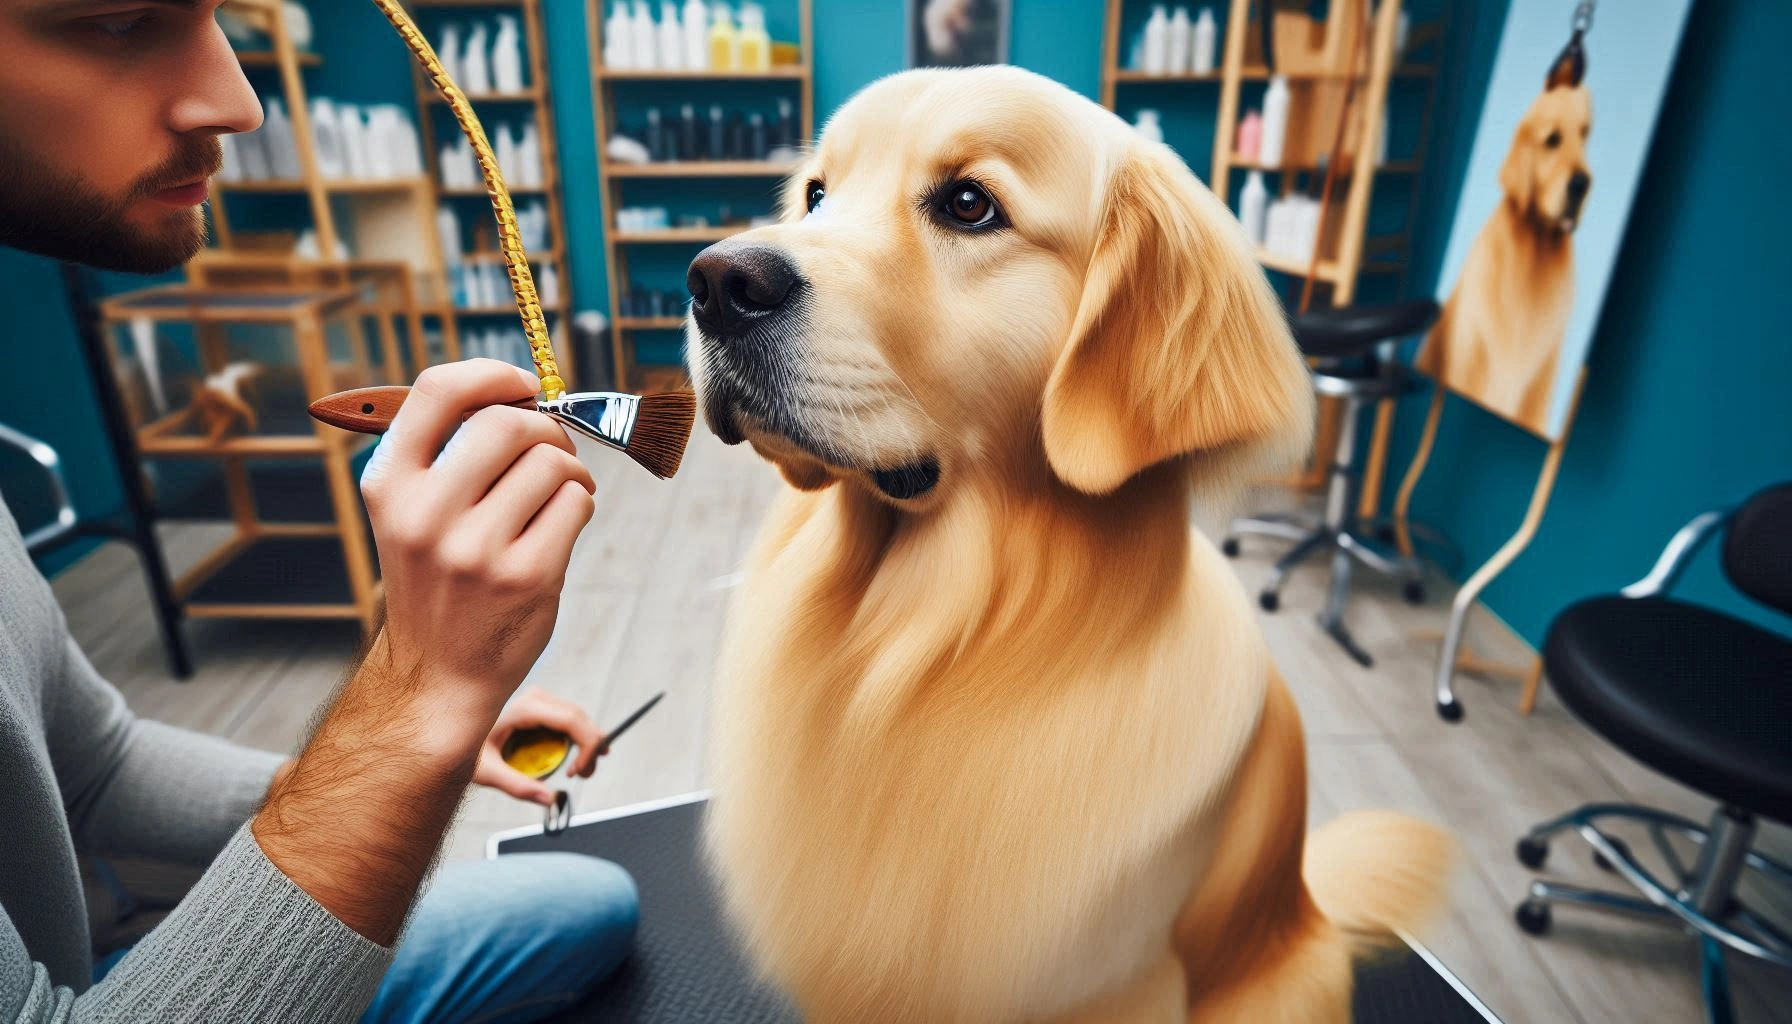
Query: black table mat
point(685, 967)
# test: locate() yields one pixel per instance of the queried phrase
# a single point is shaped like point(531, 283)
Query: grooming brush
point(651, 429)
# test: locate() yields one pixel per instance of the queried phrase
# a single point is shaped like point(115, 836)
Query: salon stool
point(1706, 699)
point(1351, 350)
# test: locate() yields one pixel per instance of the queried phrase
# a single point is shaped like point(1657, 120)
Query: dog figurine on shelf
point(222, 400)
point(996, 736)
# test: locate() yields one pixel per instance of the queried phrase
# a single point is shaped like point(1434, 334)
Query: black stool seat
point(1335, 333)
point(1698, 695)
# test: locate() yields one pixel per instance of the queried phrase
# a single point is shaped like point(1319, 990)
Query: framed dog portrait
point(957, 33)
point(1557, 156)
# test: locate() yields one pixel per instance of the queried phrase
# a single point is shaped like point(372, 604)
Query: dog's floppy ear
point(1516, 180)
point(1178, 347)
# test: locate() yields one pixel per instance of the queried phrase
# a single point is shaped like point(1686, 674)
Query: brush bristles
point(662, 429)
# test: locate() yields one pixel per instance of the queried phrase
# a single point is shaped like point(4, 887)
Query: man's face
point(110, 112)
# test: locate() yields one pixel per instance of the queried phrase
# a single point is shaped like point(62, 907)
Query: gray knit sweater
point(77, 770)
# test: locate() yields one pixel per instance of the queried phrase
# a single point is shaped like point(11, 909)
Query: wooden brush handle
point(370, 410)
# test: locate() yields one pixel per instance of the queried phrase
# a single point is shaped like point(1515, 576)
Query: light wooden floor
point(644, 605)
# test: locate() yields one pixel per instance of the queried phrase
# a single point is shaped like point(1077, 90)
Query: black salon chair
point(1705, 699)
point(1352, 351)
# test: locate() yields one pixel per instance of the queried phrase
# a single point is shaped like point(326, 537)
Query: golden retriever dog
point(1502, 326)
point(995, 736)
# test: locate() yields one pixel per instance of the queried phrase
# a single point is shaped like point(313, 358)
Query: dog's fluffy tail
point(1375, 873)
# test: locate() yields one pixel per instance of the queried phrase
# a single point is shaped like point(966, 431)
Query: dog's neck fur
point(920, 600)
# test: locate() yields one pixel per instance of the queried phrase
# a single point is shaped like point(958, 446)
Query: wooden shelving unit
point(272, 566)
point(1351, 254)
point(653, 377)
point(534, 96)
point(396, 217)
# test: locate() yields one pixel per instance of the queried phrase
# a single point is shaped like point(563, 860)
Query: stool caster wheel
point(1604, 863)
point(1532, 916)
point(1532, 852)
point(1269, 600)
point(1413, 591)
point(1229, 547)
point(1449, 711)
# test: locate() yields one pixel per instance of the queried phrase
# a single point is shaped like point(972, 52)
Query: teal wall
point(1685, 402)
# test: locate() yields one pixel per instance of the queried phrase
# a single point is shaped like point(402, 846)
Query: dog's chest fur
point(950, 786)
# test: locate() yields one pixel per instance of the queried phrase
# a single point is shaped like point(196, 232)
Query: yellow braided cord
point(522, 282)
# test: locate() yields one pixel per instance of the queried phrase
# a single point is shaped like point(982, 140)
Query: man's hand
point(535, 707)
point(474, 541)
point(473, 546)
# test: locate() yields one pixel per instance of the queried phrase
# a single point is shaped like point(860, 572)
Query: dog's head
point(1545, 175)
point(979, 271)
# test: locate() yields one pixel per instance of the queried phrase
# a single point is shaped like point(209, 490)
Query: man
point(110, 111)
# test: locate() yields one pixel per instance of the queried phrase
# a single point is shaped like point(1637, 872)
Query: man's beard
point(54, 215)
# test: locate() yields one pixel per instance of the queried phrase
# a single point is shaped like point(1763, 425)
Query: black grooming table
point(685, 968)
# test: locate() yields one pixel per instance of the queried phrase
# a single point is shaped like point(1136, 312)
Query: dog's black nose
point(734, 285)
point(1578, 185)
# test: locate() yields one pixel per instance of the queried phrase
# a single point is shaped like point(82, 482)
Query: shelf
point(547, 256)
point(268, 59)
point(700, 169)
point(1391, 167)
point(704, 234)
point(276, 577)
point(650, 323)
point(504, 310)
point(783, 72)
point(515, 190)
point(1328, 269)
point(330, 185)
point(1132, 75)
point(530, 95)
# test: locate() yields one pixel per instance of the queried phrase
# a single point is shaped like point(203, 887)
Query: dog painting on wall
point(1502, 327)
point(996, 736)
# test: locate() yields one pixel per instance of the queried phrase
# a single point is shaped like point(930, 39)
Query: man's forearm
point(357, 818)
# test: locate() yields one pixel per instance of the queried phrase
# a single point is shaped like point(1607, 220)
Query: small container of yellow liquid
point(755, 46)
point(724, 41)
point(537, 752)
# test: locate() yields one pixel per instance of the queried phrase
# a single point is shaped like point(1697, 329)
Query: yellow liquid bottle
point(755, 45)
point(724, 42)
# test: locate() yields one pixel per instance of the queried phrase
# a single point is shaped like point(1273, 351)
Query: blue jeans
point(504, 941)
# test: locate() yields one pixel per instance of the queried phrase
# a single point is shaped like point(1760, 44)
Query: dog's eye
point(1554, 140)
point(968, 204)
point(814, 195)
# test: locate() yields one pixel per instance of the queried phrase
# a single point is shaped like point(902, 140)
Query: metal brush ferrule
point(607, 417)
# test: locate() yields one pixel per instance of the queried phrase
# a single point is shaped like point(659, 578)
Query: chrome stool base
point(1701, 898)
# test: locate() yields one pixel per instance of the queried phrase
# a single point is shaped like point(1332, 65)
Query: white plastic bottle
point(755, 42)
point(671, 37)
point(696, 35)
point(448, 233)
point(507, 56)
point(282, 151)
point(1180, 30)
point(1157, 41)
point(449, 52)
point(619, 38)
point(550, 285)
point(1275, 122)
point(644, 42)
point(1149, 126)
point(505, 147)
point(528, 154)
point(1205, 44)
point(475, 65)
point(1253, 208)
